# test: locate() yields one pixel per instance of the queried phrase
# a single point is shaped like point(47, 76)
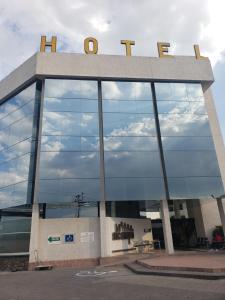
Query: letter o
point(87, 42)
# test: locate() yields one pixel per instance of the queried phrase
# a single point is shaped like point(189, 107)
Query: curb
point(141, 270)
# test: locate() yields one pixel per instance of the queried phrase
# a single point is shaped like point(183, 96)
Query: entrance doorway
point(182, 225)
point(183, 232)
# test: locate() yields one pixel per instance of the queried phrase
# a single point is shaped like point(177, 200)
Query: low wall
point(85, 244)
point(14, 263)
point(51, 244)
point(141, 229)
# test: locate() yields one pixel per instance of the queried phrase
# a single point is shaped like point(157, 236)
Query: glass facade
point(69, 159)
point(131, 156)
point(15, 226)
point(189, 153)
point(69, 166)
point(16, 127)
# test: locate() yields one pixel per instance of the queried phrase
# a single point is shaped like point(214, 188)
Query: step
point(43, 267)
point(139, 269)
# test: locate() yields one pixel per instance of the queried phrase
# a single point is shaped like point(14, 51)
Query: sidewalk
point(193, 264)
point(202, 262)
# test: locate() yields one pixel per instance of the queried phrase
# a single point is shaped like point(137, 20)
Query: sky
point(180, 22)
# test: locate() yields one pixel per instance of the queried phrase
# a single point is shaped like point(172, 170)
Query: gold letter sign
point(45, 44)
point(197, 52)
point(163, 48)
point(128, 44)
point(87, 42)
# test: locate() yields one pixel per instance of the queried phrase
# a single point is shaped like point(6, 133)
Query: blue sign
point(69, 238)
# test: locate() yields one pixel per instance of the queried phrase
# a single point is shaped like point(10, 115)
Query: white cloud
point(182, 23)
point(100, 24)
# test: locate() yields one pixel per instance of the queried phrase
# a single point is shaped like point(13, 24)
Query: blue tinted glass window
point(69, 161)
point(112, 90)
point(71, 210)
point(190, 158)
point(15, 226)
point(65, 190)
point(121, 124)
point(16, 125)
point(134, 189)
point(184, 125)
point(70, 123)
point(70, 105)
point(181, 107)
point(132, 162)
point(187, 143)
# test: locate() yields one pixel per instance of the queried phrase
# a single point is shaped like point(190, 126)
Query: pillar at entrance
point(34, 234)
point(167, 227)
point(221, 212)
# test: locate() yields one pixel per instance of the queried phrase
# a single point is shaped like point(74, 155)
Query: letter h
point(45, 44)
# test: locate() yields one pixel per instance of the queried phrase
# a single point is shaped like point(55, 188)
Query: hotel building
point(99, 153)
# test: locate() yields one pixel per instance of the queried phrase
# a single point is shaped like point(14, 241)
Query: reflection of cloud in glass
point(130, 143)
point(126, 90)
point(131, 151)
point(69, 161)
point(17, 101)
point(111, 90)
point(16, 127)
point(69, 165)
point(129, 125)
point(178, 91)
point(181, 107)
point(189, 153)
point(70, 123)
point(13, 195)
point(71, 89)
point(184, 125)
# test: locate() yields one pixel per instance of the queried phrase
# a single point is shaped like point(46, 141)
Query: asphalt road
point(104, 283)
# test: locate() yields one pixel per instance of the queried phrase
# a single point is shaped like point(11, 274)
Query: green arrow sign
point(54, 239)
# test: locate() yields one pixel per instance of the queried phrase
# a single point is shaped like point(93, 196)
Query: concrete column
point(166, 227)
point(195, 211)
point(215, 129)
point(103, 230)
point(221, 212)
point(176, 205)
point(34, 235)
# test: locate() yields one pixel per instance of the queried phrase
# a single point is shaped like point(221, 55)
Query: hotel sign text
point(91, 47)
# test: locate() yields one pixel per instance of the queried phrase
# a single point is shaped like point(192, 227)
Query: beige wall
point(139, 235)
point(182, 68)
point(209, 208)
point(66, 251)
point(206, 215)
point(210, 216)
point(215, 129)
point(43, 228)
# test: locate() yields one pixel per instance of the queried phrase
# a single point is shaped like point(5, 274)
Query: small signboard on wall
point(54, 239)
point(87, 237)
point(69, 238)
